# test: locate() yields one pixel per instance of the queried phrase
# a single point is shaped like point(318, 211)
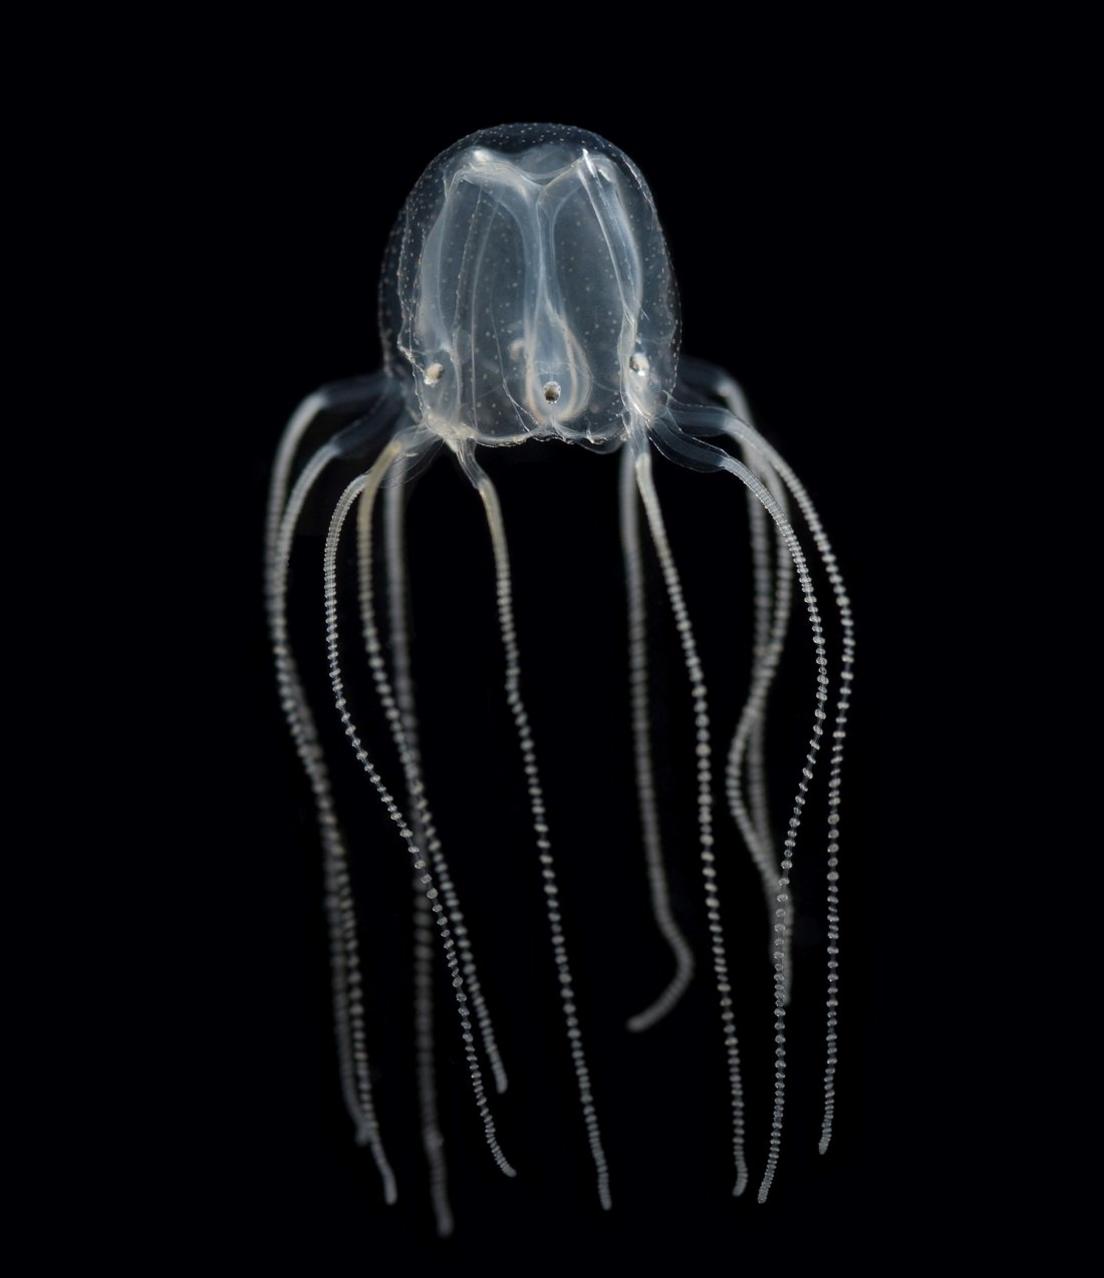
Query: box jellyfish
point(527, 294)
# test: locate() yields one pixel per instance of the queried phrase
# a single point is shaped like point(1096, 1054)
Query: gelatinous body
point(527, 293)
point(532, 292)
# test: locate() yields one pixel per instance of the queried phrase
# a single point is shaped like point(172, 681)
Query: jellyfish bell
point(529, 293)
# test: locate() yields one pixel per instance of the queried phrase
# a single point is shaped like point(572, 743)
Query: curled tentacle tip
point(646, 1020)
point(649, 1017)
point(667, 1002)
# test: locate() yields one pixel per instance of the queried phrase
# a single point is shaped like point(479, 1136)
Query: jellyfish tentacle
point(425, 1049)
point(773, 594)
point(772, 615)
point(348, 1008)
point(650, 498)
point(749, 438)
point(680, 442)
point(766, 603)
point(771, 611)
point(425, 1046)
point(645, 775)
point(354, 394)
point(341, 511)
point(411, 764)
point(504, 594)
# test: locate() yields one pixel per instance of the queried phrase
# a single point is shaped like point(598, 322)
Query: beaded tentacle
point(341, 919)
point(645, 772)
point(782, 894)
point(748, 736)
point(539, 813)
point(425, 1045)
point(746, 435)
point(650, 498)
point(415, 782)
point(425, 877)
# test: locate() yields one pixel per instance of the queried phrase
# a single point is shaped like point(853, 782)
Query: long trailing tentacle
point(766, 606)
point(356, 1082)
point(425, 1046)
point(773, 597)
point(645, 773)
point(489, 496)
point(650, 498)
point(772, 615)
point(355, 394)
point(411, 764)
point(374, 476)
point(694, 453)
point(749, 438)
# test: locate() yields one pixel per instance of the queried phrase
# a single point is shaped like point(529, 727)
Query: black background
point(812, 231)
